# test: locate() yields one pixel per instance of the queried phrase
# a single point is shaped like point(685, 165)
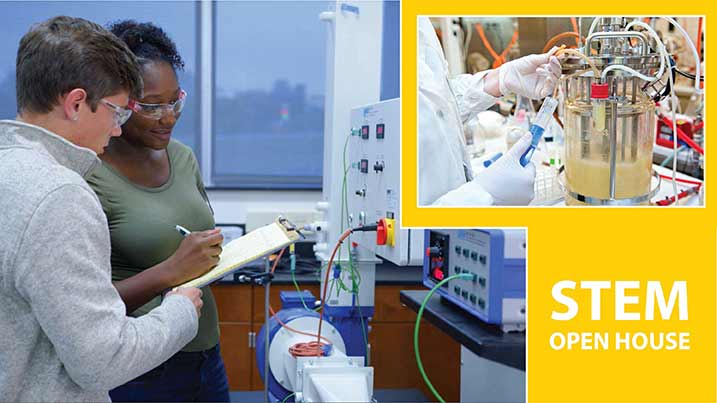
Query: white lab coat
point(444, 173)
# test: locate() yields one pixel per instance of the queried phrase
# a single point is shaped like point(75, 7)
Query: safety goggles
point(121, 114)
point(157, 111)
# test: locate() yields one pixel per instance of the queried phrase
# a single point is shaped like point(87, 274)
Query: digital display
point(438, 263)
point(363, 166)
point(364, 132)
point(379, 131)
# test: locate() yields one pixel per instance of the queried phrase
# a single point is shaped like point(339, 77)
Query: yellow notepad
point(254, 245)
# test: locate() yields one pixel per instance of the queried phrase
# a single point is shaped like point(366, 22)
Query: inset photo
point(476, 294)
point(560, 111)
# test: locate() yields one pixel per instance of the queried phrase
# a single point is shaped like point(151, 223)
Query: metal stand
point(613, 147)
point(266, 284)
point(263, 279)
point(609, 202)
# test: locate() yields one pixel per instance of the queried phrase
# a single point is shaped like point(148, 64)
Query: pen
point(182, 230)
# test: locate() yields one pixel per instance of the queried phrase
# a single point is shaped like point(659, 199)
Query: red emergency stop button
point(381, 232)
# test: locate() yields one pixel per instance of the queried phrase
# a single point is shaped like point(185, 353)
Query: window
point(178, 19)
point(270, 62)
point(269, 65)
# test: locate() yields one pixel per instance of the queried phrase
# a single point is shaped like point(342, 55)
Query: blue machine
point(292, 308)
point(352, 323)
point(496, 258)
point(296, 313)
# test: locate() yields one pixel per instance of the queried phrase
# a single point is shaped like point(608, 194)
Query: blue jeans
point(185, 377)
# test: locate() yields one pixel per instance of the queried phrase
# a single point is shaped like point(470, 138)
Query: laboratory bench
point(483, 339)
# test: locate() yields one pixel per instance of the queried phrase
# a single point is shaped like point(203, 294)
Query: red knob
point(381, 234)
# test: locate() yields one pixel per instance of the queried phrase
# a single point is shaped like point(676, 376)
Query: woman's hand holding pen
point(197, 254)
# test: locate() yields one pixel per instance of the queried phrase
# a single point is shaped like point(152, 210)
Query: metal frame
point(206, 11)
point(611, 202)
point(644, 61)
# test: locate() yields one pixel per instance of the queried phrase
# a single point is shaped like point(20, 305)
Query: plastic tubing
point(699, 35)
point(568, 77)
point(691, 182)
point(682, 136)
point(498, 59)
point(698, 90)
point(660, 45)
point(660, 48)
point(326, 282)
point(585, 58)
point(273, 314)
point(593, 25)
point(574, 21)
point(628, 70)
point(416, 327)
point(673, 103)
point(558, 37)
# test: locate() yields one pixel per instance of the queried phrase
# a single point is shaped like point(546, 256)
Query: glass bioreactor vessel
point(610, 87)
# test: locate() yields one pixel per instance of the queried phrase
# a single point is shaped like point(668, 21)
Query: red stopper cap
point(599, 91)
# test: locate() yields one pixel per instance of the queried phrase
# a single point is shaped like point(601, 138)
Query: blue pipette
point(538, 127)
point(491, 160)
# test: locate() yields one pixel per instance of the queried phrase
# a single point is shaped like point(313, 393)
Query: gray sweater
point(64, 335)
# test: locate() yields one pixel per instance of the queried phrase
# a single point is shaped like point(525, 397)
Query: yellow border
point(608, 244)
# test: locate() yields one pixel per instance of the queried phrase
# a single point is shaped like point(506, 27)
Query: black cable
point(667, 88)
point(366, 228)
point(688, 75)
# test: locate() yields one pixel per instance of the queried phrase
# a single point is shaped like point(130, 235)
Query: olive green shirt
point(142, 226)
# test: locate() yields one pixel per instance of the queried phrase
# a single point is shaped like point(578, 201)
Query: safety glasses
point(121, 114)
point(157, 111)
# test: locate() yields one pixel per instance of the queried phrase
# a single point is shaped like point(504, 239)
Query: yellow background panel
point(612, 244)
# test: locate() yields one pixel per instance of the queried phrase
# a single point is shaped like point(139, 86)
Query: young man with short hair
point(65, 335)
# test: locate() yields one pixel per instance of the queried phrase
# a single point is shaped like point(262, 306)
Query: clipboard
point(256, 244)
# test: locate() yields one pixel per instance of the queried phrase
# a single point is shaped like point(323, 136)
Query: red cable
point(309, 349)
point(326, 281)
point(276, 261)
point(273, 315)
point(681, 195)
point(682, 136)
point(691, 182)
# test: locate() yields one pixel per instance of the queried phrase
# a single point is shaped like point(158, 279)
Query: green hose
point(669, 157)
point(418, 323)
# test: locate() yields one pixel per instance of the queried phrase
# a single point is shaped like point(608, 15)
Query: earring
point(74, 118)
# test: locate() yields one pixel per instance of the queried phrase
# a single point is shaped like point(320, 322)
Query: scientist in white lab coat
point(445, 176)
